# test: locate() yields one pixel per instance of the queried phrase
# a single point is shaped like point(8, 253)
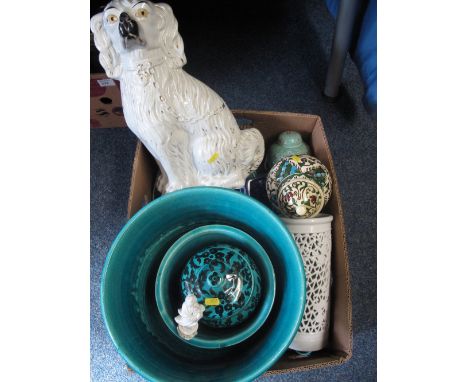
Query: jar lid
point(300, 197)
point(226, 280)
point(290, 139)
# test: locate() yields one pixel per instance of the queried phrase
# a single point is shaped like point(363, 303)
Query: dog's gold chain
point(214, 112)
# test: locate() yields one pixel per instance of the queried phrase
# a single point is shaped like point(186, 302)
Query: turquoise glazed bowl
point(170, 291)
point(127, 288)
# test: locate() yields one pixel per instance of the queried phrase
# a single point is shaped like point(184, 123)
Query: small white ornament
point(183, 123)
point(189, 315)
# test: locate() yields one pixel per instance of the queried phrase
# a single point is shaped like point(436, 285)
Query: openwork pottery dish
point(228, 276)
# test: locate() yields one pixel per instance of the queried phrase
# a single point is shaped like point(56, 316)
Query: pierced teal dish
point(169, 289)
point(127, 288)
point(227, 275)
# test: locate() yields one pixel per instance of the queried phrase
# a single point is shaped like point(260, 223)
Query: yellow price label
point(212, 301)
point(213, 158)
point(296, 158)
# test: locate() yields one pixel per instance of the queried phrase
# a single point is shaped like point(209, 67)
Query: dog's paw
point(174, 186)
point(161, 183)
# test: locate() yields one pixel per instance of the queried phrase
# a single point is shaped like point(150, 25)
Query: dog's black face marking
point(128, 28)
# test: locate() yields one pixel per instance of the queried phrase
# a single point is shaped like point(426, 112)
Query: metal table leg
point(341, 42)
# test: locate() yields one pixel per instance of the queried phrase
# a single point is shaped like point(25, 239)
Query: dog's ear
point(172, 42)
point(108, 57)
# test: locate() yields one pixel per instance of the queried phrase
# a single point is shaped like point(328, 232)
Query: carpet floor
point(265, 56)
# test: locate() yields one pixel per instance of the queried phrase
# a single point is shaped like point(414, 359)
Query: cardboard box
point(106, 104)
point(271, 124)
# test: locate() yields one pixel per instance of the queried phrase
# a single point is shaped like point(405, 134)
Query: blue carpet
point(271, 56)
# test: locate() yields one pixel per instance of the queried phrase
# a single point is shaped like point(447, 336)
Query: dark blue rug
point(266, 56)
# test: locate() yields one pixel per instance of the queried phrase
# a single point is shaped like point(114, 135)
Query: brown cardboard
point(271, 124)
point(106, 104)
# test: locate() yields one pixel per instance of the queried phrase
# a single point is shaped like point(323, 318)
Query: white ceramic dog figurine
point(184, 124)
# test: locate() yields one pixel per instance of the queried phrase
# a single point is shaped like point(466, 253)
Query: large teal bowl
point(127, 288)
point(169, 296)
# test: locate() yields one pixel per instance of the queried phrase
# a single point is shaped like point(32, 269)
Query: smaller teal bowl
point(169, 294)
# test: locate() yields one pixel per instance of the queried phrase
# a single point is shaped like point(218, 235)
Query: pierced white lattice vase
point(313, 237)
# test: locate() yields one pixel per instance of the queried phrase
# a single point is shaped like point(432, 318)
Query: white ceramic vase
point(313, 237)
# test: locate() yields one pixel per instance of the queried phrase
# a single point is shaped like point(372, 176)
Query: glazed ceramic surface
point(314, 239)
point(225, 273)
point(299, 196)
point(293, 165)
point(127, 291)
point(289, 143)
point(169, 290)
point(184, 124)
